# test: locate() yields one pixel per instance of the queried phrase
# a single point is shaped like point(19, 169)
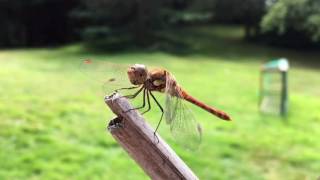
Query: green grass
point(52, 124)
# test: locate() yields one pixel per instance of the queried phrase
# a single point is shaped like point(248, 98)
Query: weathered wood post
point(152, 153)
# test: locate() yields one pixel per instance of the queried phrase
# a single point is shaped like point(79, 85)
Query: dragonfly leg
point(127, 88)
point(161, 113)
point(144, 102)
point(135, 94)
point(149, 104)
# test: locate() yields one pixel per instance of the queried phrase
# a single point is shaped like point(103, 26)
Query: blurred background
point(53, 123)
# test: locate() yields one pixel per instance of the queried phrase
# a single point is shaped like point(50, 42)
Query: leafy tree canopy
point(294, 15)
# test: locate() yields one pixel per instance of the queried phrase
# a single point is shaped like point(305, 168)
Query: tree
point(294, 17)
point(35, 22)
point(246, 12)
point(117, 23)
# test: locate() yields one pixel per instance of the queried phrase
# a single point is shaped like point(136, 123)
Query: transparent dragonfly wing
point(183, 125)
point(107, 76)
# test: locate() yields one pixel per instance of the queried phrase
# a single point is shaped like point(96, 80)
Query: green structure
point(274, 87)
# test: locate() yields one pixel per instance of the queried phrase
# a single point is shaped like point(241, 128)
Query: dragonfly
point(183, 124)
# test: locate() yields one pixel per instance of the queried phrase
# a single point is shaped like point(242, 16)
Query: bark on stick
point(152, 153)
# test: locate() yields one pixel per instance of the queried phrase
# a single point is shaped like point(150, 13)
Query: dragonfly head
point(137, 74)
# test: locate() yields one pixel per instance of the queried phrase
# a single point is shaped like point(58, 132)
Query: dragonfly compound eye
point(137, 74)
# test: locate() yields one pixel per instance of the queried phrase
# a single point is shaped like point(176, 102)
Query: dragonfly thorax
point(137, 74)
point(156, 80)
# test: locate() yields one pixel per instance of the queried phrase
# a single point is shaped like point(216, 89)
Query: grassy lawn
point(52, 123)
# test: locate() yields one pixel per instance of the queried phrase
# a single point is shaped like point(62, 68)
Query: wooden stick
point(153, 155)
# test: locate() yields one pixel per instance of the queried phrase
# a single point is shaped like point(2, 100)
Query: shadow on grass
point(228, 43)
point(224, 43)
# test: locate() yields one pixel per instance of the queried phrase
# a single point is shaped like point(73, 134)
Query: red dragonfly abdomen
point(202, 105)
